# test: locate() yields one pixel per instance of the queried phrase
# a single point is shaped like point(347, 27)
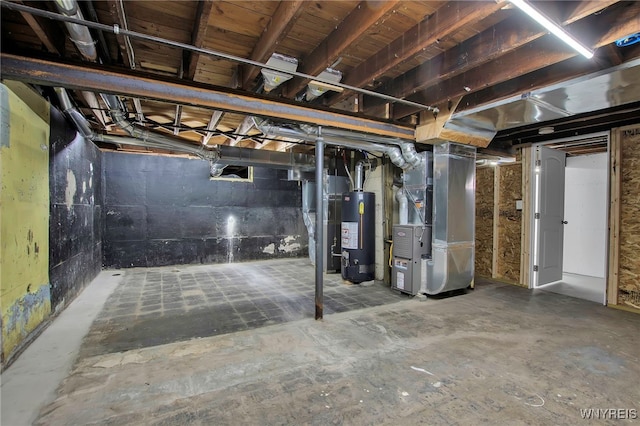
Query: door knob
point(564, 222)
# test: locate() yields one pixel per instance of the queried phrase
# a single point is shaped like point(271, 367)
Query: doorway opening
point(570, 182)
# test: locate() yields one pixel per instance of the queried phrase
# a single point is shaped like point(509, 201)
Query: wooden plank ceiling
point(430, 52)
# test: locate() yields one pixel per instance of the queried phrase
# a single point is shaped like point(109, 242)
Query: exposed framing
point(525, 235)
point(615, 180)
point(496, 219)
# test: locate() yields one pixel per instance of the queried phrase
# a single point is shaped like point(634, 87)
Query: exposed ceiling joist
point(277, 28)
point(242, 130)
point(572, 68)
point(45, 30)
point(178, 120)
point(347, 32)
point(596, 31)
point(203, 12)
point(501, 38)
point(116, 8)
point(211, 126)
point(446, 20)
point(49, 73)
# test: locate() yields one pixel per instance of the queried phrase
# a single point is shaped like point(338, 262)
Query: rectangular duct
point(451, 266)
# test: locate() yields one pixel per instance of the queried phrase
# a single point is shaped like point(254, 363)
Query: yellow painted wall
point(24, 214)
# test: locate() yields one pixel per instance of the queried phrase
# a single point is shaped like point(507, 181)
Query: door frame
point(529, 184)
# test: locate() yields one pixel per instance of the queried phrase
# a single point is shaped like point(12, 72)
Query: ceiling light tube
point(553, 28)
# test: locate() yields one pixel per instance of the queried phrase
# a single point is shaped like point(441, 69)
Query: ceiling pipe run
point(219, 157)
point(115, 29)
point(141, 136)
point(119, 118)
point(357, 141)
point(408, 148)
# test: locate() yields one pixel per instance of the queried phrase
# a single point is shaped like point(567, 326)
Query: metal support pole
point(319, 223)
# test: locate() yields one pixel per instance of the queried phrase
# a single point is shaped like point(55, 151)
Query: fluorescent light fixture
point(553, 28)
point(273, 79)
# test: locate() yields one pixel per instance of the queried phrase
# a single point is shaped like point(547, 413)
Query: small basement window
point(236, 173)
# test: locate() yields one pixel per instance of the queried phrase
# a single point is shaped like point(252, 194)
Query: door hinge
point(535, 268)
point(536, 216)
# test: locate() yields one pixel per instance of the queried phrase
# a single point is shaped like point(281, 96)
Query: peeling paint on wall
point(70, 191)
point(26, 313)
point(289, 244)
point(24, 223)
point(270, 249)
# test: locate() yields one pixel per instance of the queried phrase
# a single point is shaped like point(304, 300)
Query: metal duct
point(452, 263)
point(403, 206)
point(145, 135)
point(408, 148)
point(359, 176)
point(72, 112)
point(219, 157)
point(394, 153)
point(80, 34)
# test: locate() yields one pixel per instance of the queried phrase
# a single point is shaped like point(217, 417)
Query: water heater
point(358, 236)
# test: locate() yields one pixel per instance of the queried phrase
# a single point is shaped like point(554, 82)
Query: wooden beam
point(496, 219)
point(242, 131)
point(615, 182)
point(50, 36)
point(595, 31)
point(178, 120)
point(525, 236)
point(116, 9)
point(449, 18)
point(348, 32)
point(504, 37)
point(211, 126)
point(576, 11)
point(203, 12)
point(276, 30)
point(571, 68)
point(113, 80)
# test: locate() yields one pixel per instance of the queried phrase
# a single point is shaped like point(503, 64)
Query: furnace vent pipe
point(394, 153)
point(403, 210)
point(359, 178)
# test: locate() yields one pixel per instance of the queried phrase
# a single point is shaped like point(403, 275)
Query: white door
point(550, 167)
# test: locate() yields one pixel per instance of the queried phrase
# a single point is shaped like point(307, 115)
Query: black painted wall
point(76, 223)
point(162, 210)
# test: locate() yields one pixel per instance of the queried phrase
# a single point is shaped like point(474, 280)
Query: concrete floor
point(498, 354)
point(580, 286)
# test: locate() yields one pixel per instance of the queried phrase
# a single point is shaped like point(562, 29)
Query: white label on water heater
point(349, 235)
